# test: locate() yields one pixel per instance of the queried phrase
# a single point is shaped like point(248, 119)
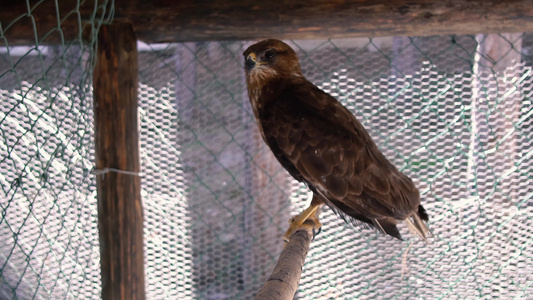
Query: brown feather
point(320, 142)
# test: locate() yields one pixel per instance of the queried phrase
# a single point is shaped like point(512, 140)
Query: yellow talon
point(299, 222)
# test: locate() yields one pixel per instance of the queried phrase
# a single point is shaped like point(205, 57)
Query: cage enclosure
point(444, 90)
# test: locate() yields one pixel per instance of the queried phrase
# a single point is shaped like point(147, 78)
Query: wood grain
point(190, 20)
point(120, 213)
point(283, 282)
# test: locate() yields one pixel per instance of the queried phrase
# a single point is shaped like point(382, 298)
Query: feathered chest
point(266, 103)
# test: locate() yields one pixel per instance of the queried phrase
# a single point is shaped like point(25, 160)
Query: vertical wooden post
point(120, 214)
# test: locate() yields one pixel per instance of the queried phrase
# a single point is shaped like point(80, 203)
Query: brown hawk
point(320, 142)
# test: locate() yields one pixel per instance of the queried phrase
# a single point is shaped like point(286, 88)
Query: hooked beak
point(250, 61)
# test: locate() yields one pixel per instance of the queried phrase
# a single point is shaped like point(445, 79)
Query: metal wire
point(452, 112)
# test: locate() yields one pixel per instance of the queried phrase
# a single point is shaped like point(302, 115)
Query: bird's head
point(268, 60)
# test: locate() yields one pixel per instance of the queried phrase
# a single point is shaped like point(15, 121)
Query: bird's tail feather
point(387, 226)
point(416, 224)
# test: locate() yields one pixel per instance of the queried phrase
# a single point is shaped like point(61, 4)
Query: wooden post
point(120, 213)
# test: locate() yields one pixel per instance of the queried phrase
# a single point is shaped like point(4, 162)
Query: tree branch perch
point(283, 282)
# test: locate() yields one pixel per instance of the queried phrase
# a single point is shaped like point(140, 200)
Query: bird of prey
point(320, 142)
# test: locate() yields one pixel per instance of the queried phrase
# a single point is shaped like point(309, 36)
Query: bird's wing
point(320, 142)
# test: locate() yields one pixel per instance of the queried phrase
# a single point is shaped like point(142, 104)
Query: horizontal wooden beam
point(193, 20)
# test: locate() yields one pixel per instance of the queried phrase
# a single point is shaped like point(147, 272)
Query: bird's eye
point(270, 54)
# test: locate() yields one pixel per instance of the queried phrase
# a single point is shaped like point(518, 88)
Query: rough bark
point(120, 212)
point(191, 20)
point(283, 282)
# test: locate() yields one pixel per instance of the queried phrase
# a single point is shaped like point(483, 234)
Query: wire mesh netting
point(452, 112)
point(48, 221)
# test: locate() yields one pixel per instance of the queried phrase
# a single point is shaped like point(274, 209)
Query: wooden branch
point(283, 282)
point(120, 213)
point(192, 20)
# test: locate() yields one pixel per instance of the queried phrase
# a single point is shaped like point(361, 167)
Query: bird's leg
point(299, 222)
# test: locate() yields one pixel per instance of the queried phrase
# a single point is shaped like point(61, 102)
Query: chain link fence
point(452, 112)
point(48, 220)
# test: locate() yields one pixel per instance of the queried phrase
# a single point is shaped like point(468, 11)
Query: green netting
point(453, 112)
point(48, 223)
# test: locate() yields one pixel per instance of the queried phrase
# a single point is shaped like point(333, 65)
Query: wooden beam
point(120, 213)
point(192, 20)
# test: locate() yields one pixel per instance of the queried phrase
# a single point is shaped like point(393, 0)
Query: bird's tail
point(416, 223)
